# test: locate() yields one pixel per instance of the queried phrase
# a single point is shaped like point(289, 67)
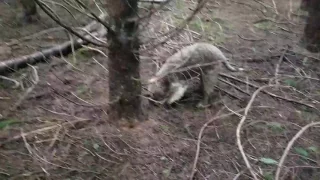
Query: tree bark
point(124, 65)
point(312, 28)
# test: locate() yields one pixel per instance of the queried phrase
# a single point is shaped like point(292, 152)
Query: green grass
point(7, 122)
point(265, 25)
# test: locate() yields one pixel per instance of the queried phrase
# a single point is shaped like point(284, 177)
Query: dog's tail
point(231, 68)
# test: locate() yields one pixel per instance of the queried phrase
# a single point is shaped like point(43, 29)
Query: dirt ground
point(60, 128)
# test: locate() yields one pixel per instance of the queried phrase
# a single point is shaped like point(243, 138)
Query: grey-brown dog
point(198, 60)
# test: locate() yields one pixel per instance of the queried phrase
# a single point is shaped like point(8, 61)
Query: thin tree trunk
point(124, 65)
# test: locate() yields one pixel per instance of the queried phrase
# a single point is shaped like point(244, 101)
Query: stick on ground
point(248, 107)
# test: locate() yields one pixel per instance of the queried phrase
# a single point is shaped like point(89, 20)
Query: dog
point(198, 61)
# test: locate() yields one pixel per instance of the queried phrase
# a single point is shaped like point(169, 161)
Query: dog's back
point(199, 55)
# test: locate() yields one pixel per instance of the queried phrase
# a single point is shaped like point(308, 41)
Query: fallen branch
point(290, 144)
point(62, 49)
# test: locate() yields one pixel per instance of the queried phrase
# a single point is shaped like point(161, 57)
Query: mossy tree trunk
point(124, 64)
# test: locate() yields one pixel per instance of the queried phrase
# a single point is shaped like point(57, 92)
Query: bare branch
point(179, 28)
point(25, 94)
point(41, 5)
point(107, 26)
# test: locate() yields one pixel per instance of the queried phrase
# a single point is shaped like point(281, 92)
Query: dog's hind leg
point(208, 81)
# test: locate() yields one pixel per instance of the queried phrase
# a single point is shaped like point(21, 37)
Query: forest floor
point(60, 128)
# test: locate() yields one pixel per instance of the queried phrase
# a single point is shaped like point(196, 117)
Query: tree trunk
point(312, 29)
point(30, 12)
point(124, 65)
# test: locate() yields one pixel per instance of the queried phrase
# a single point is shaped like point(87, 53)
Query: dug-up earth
point(58, 128)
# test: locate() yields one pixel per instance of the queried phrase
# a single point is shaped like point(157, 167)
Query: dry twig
point(248, 107)
point(271, 94)
point(194, 168)
point(290, 144)
point(85, 39)
point(278, 67)
point(275, 7)
point(26, 144)
point(21, 135)
point(16, 83)
point(233, 85)
point(88, 104)
point(25, 95)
